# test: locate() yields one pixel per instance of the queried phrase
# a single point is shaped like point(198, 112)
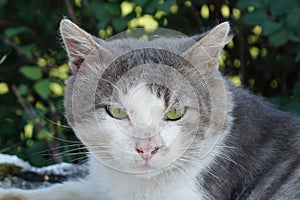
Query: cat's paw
point(11, 194)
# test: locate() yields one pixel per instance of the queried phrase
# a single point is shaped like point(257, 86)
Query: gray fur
point(259, 156)
point(264, 161)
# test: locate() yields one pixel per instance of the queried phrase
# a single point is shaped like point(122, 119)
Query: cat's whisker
point(186, 104)
point(199, 164)
point(53, 122)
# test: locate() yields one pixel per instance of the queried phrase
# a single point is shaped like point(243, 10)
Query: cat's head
point(143, 106)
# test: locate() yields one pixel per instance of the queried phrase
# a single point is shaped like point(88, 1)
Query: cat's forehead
point(142, 97)
point(174, 44)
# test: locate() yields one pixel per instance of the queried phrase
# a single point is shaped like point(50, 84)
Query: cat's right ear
point(78, 43)
point(208, 47)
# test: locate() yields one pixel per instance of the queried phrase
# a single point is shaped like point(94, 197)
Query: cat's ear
point(208, 48)
point(78, 43)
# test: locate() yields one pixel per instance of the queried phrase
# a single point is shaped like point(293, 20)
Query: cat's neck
point(120, 185)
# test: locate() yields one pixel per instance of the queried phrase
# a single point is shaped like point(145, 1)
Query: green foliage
point(31, 72)
point(263, 56)
point(8, 170)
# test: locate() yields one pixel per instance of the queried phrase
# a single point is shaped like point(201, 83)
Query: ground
point(17, 173)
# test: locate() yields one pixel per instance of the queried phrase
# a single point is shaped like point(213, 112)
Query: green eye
point(116, 113)
point(175, 114)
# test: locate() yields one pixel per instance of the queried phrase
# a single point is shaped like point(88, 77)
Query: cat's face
point(145, 106)
point(143, 130)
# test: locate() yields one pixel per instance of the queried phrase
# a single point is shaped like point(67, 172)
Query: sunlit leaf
point(3, 88)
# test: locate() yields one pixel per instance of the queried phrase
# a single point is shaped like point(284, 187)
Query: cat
point(162, 123)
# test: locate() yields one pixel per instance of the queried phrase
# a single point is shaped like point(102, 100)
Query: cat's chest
point(173, 186)
point(155, 191)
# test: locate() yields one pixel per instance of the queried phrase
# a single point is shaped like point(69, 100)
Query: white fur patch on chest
point(166, 186)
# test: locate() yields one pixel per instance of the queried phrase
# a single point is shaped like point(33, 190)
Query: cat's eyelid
point(183, 108)
point(176, 106)
point(104, 105)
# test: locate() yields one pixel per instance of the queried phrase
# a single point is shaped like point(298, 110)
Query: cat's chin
point(148, 174)
point(145, 168)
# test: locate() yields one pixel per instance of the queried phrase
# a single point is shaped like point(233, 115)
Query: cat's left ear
point(78, 43)
point(206, 50)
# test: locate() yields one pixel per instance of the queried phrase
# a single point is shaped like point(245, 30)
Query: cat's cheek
point(170, 134)
point(171, 150)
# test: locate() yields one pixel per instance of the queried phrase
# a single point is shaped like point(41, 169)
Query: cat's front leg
point(67, 191)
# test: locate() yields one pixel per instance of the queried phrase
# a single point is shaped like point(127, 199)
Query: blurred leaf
point(279, 8)
point(119, 24)
point(296, 89)
point(140, 2)
point(293, 105)
point(276, 101)
point(166, 5)
point(10, 32)
point(98, 9)
point(42, 88)
point(23, 89)
point(297, 59)
point(44, 135)
point(293, 19)
point(2, 2)
point(35, 158)
point(279, 38)
point(270, 27)
point(102, 24)
point(151, 7)
point(113, 8)
point(31, 72)
point(294, 38)
point(256, 17)
point(243, 4)
point(26, 49)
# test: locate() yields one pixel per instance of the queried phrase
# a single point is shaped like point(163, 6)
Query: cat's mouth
point(146, 167)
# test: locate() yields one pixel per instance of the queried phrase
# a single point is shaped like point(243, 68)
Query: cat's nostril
point(139, 150)
point(147, 153)
point(155, 150)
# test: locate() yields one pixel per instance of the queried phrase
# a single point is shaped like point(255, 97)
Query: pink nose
point(147, 153)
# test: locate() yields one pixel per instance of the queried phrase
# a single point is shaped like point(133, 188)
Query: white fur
point(146, 115)
point(117, 170)
point(125, 177)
